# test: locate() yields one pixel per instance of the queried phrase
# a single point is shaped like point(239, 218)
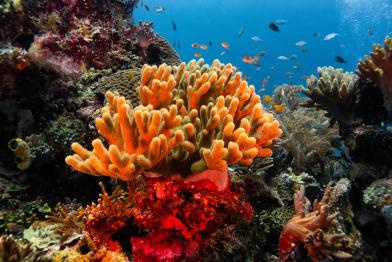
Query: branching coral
point(179, 218)
point(13, 251)
point(192, 117)
point(378, 68)
point(334, 91)
point(310, 231)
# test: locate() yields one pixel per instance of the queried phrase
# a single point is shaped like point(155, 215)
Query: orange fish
point(204, 47)
point(279, 108)
point(251, 60)
point(194, 45)
point(225, 45)
point(267, 99)
point(197, 54)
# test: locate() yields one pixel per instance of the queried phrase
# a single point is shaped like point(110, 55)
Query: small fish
point(146, 7)
point(370, 32)
point(289, 74)
point(283, 58)
point(304, 78)
point(316, 34)
point(330, 36)
point(257, 39)
point(267, 99)
point(274, 27)
point(251, 60)
point(279, 108)
point(258, 69)
point(261, 53)
point(174, 26)
point(281, 22)
point(223, 53)
point(197, 54)
point(293, 57)
point(195, 45)
point(246, 78)
point(225, 45)
point(210, 43)
point(159, 9)
point(297, 67)
point(273, 69)
point(303, 49)
point(301, 43)
point(241, 32)
point(261, 90)
point(203, 47)
point(264, 82)
point(340, 59)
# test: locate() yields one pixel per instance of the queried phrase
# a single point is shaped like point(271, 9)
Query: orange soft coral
point(192, 117)
point(309, 231)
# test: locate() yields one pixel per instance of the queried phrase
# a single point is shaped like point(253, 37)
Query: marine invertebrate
point(288, 96)
point(195, 116)
point(41, 54)
point(335, 92)
point(22, 152)
point(308, 136)
point(309, 230)
point(378, 69)
point(14, 251)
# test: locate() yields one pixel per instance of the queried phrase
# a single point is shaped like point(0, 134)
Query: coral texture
point(179, 217)
point(310, 231)
point(192, 117)
point(378, 68)
point(334, 92)
point(308, 136)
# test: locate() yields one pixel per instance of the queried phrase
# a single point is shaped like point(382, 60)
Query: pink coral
point(41, 54)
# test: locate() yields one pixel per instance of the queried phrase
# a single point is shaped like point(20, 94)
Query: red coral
point(179, 216)
point(309, 231)
point(185, 211)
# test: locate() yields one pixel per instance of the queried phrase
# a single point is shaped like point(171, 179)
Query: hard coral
point(334, 91)
point(378, 68)
point(192, 117)
point(308, 231)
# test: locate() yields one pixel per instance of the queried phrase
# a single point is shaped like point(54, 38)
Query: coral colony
point(191, 165)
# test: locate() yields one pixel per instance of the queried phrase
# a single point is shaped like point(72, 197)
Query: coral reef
point(14, 251)
point(378, 69)
point(334, 91)
point(309, 231)
point(308, 137)
point(199, 111)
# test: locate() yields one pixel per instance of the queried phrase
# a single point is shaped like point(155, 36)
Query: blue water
point(201, 21)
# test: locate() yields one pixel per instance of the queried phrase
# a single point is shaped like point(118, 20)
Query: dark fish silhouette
point(274, 27)
point(210, 43)
point(174, 26)
point(340, 59)
point(146, 7)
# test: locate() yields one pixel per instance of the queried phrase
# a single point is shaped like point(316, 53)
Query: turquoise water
point(359, 23)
